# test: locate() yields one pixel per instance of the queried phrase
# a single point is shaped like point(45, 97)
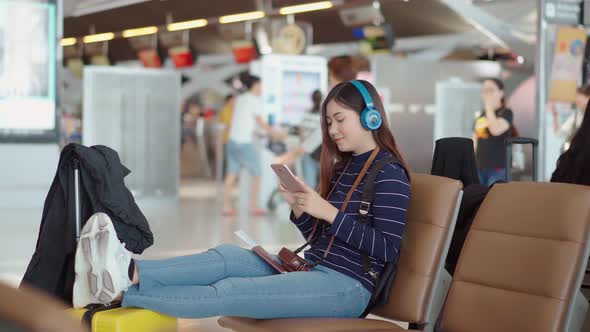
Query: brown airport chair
point(421, 284)
point(523, 261)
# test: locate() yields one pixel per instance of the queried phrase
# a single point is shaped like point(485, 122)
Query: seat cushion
point(241, 324)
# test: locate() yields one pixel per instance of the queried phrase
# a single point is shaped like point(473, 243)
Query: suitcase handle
point(520, 140)
point(76, 167)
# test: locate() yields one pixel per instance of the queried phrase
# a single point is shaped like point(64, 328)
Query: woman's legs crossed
point(201, 269)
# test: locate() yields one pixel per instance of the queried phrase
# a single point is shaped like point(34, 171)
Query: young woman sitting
point(229, 280)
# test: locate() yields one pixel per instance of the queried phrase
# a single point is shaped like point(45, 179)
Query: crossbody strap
point(367, 197)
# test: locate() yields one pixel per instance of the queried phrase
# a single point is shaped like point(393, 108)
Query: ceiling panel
point(413, 18)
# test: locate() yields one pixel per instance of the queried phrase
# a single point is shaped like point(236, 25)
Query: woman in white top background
point(240, 149)
point(568, 128)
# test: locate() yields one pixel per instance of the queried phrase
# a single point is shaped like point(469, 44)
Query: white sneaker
point(101, 265)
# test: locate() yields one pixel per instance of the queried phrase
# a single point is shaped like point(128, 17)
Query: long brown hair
point(573, 166)
point(347, 95)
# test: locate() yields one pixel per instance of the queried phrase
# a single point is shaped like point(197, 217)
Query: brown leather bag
point(292, 262)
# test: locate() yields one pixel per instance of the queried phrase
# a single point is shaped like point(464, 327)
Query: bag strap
point(367, 198)
point(94, 308)
point(357, 181)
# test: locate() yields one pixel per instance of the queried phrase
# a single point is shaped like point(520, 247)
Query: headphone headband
point(365, 93)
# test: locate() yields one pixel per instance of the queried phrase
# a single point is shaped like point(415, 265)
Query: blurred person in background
point(310, 146)
point(225, 117)
point(191, 111)
point(226, 114)
point(240, 149)
point(568, 128)
point(340, 69)
point(311, 140)
point(492, 127)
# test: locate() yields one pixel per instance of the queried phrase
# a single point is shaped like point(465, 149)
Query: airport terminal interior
point(164, 162)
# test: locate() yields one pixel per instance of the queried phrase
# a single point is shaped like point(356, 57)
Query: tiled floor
point(192, 223)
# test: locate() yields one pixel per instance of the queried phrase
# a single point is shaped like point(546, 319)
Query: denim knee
point(227, 250)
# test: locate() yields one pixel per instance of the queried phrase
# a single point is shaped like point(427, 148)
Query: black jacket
point(454, 158)
point(102, 189)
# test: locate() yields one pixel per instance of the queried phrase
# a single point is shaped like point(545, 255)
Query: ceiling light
point(68, 41)
point(98, 37)
point(187, 25)
point(241, 17)
point(139, 32)
point(308, 7)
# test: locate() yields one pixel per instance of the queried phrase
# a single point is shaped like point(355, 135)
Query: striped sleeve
point(304, 223)
point(381, 236)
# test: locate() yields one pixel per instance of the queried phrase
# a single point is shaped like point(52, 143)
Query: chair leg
point(579, 315)
point(440, 288)
point(586, 326)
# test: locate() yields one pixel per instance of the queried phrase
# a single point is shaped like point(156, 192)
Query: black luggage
point(522, 141)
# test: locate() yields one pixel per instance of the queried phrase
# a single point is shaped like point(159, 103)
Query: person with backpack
point(353, 225)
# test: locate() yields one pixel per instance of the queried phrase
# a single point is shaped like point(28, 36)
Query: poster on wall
point(27, 71)
point(562, 117)
point(567, 64)
point(298, 86)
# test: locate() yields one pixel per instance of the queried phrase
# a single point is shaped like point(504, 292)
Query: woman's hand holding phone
point(308, 201)
point(289, 197)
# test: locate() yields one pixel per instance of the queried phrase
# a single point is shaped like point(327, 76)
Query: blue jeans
point(231, 281)
point(240, 155)
point(489, 176)
point(310, 170)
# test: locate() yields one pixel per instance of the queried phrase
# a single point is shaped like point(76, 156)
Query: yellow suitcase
point(113, 318)
point(128, 320)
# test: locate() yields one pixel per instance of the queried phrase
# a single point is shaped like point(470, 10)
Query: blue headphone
point(370, 117)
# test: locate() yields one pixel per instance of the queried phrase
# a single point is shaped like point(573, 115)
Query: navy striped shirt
point(380, 237)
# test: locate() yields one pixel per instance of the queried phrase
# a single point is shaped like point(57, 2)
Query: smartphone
point(287, 178)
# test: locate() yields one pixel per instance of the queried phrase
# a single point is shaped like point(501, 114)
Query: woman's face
point(491, 94)
point(345, 129)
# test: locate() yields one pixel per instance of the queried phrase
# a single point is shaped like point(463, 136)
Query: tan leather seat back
point(430, 222)
point(520, 262)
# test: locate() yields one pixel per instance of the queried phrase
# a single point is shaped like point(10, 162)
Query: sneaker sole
point(94, 242)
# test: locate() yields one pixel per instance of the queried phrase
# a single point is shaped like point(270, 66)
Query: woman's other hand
point(289, 197)
point(312, 203)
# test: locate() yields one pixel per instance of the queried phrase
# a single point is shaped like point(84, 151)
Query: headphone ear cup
point(371, 119)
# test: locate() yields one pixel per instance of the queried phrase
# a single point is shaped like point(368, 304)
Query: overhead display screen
point(27, 71)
